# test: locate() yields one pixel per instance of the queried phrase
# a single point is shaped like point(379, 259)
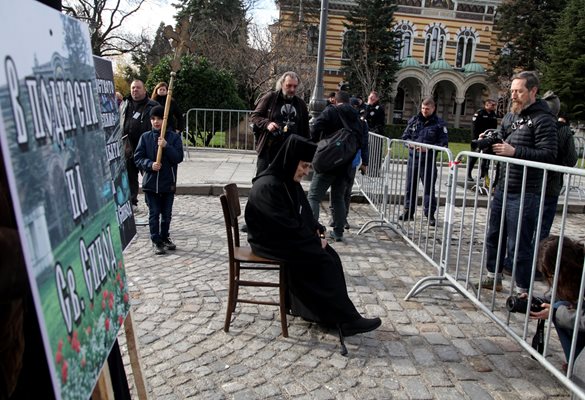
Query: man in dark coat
point(425, 127)
point(528, 132)
point(134, 121)
point(375, 115)
point(281, 226)
point(278, 114)
point(482, 120)
point(322, 127)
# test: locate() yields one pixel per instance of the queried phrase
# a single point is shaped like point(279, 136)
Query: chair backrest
point(228, 225)
point(232, 197)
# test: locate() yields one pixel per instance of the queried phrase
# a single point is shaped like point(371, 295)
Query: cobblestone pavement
point(436, 346)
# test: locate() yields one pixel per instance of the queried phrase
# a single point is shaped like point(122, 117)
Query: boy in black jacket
point(160, 179)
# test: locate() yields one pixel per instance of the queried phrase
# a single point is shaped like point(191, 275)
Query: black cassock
point(281, 226)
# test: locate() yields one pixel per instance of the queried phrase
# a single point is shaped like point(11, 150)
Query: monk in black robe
point(281, 226)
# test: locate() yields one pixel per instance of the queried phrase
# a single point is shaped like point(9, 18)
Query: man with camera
point(278, 114)
point(482, 120)
point(528, 132)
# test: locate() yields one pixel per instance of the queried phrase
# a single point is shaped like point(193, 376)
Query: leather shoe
point(361, 325)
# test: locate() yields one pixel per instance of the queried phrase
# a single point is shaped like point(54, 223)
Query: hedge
point(459, 135)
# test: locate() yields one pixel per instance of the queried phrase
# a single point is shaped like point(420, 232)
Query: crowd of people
point(283, 222)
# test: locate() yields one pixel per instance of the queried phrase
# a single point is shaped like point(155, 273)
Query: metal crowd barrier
point(463, 257)
point(384, 186)
point(576, 183)
point(217, 128)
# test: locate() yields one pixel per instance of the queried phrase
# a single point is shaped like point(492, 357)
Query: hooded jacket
point(533, 134)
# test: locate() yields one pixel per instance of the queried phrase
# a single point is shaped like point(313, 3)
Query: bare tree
point(106, 20)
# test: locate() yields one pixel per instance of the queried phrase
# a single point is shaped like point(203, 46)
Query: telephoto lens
point(518, 304)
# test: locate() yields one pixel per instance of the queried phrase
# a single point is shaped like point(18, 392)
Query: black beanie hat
point(157, 111)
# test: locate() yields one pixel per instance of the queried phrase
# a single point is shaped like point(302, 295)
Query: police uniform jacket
point(432, 130)
point(482, 121)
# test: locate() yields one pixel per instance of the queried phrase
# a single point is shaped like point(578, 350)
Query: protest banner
point(54, 151)
point(115, 148)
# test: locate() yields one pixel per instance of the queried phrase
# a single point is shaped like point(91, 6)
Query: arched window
point(465, 48)
point(312, 40)
point(404, 37)
point(435, 39)
point(352, 43)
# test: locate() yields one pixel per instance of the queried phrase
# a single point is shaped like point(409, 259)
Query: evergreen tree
point(370, 47)
point(565, 71)
point(198, 84)
point(161, 47)
point(524, 26)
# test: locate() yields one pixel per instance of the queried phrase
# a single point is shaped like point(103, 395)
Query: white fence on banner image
point(457, 245)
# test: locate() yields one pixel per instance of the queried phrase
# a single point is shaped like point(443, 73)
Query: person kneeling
point(281, 226)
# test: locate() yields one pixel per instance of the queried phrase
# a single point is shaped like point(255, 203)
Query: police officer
point(375, 113)
point(483, 120)
point(425, 127)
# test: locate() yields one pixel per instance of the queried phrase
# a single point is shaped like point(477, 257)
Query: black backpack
point(336, 150)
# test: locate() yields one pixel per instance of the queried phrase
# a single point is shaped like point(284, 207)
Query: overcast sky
point(152, 13)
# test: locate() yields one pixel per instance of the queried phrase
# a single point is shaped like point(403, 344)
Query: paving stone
point(435, 345)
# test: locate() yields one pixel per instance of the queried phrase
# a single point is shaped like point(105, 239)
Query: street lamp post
point(318, 102)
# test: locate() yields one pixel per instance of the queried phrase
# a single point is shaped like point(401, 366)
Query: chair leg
point(282, 297)
point(231, 302)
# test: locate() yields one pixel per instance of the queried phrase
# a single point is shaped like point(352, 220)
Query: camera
point(484, 144)
point(518, 304)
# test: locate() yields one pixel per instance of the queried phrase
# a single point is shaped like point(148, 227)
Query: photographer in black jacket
point(529, 132)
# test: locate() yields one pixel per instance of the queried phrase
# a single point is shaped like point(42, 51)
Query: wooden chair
point(242, 258)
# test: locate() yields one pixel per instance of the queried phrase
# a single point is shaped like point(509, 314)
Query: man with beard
point(279, 114)
point(134, 121)
point(528, 132)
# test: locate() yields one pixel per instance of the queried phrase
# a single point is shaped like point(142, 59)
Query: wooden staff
point(163, 129)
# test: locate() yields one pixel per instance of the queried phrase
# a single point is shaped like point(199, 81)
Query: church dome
point(473, 68)
point(440, 65)
point(409, 61)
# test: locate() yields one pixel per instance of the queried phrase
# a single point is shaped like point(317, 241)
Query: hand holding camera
point(486, 140)
point(519, 304)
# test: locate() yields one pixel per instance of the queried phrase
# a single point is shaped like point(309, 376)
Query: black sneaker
point(347, 226)
point(244, 228)
point(432, 221)
point(168, 244)
point(158, 248)
point(361, 325)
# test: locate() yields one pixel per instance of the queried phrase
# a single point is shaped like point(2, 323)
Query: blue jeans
point(160, 208)
point(319, 185)
point(510, 229)
point(548, 215)
point(427, 173)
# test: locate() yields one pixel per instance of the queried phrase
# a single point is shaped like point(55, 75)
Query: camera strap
point(538, 339)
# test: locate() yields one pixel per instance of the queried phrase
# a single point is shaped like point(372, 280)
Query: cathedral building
point(446, 48)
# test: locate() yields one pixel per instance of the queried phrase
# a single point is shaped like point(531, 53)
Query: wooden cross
point(180, 41)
